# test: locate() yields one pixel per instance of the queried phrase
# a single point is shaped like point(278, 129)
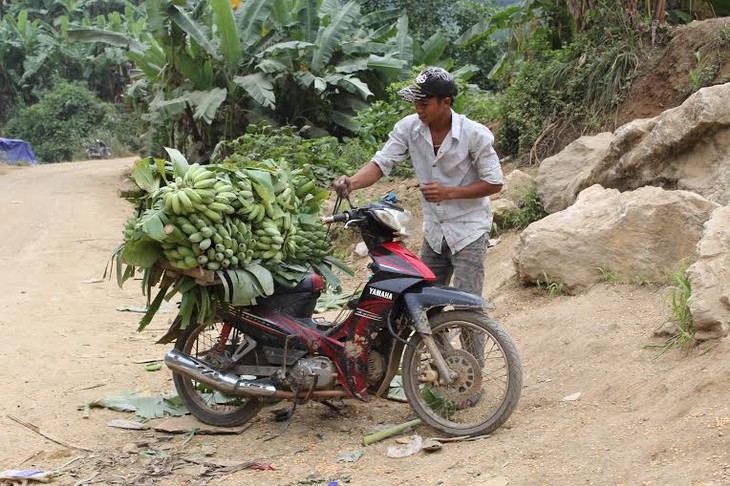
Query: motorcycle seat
point(311, 283)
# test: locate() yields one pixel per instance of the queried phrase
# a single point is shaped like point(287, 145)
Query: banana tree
point(209, 71)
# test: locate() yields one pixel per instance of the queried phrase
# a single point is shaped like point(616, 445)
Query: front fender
point(419, 302)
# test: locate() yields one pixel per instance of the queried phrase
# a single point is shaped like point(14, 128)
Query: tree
point(210, 70)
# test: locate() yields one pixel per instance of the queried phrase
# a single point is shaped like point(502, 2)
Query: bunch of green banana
point(187, 194)
point(268, 241)
point(311, 244)
point(129, 228)
point(245, 198)
point(303, 183)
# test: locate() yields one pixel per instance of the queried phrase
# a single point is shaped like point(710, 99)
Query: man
point(457, 169)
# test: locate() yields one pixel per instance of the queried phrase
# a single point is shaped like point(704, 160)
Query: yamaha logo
point(381, 293)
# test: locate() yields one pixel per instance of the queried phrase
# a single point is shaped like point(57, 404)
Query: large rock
point(559, 176)
point(709, 278)
point(637, 235)
point(687, 147)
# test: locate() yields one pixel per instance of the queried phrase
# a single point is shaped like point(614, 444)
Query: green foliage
point(326, 156)
point(680, 293)
point(529, 210)
point(608, 275)
point(552, 287)
point(208, 72)
point(568, 90)
point(61, 123)
point(709, 61)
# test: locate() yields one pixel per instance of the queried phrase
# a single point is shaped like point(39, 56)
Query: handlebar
point(335, 218)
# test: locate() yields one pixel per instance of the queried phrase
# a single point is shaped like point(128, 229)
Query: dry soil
point(641, 417)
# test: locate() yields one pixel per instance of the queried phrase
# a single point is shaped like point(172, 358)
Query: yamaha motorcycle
point(461, 373)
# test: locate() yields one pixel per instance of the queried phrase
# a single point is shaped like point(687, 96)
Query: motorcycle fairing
point(394, 257)
point(420, 301)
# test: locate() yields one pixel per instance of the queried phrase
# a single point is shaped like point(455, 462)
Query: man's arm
point(368, 175)
point(437, 192)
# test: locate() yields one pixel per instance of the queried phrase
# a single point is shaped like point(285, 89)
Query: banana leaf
point(179, 162)
point(190, 27)
point(259, 87)
point(152, 223)
point(339, 264)
point(263, 277)
point(141, 253)
point(206, 103)
point(329, 38)
point(144, 176)
point(154, 306)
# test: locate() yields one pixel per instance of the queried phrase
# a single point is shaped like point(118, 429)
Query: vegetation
point(552, 287)
point(195, 73)
point(62, 123)
point(680, 293)
point(529, 210)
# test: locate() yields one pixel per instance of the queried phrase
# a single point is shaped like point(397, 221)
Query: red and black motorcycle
point(461, 373)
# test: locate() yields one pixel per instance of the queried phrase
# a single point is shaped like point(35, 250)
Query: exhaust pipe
point(229, 383)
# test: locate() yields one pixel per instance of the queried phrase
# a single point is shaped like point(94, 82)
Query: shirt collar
point(456, 126)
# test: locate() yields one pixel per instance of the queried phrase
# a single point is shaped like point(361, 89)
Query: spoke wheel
point(488, 376)
point(210, 406)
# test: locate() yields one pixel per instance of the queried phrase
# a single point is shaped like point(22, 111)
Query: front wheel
point(207, 405)
point(488, 375)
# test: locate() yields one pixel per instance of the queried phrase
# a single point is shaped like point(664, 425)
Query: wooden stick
point(384, 434)
point(37, 430)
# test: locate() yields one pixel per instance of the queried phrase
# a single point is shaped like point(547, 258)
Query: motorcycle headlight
point(400, 221)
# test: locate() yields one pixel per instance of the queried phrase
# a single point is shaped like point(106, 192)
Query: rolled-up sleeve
point(395, 148)
point(484, 157)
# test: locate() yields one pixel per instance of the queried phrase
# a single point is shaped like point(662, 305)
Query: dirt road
point(640, 417)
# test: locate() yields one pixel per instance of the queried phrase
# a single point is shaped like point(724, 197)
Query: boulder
point(687, 148)
point(709, 278)
point(637, 235)
point(559, 176)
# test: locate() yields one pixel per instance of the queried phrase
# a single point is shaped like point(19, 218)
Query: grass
point(608, 275)
point(552, 287)
point(679, 294)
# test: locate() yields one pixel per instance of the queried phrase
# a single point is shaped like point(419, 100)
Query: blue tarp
point(14, 151)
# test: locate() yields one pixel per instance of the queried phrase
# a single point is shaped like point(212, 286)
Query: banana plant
point(209, 71)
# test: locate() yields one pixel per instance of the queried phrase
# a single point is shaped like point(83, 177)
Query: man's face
point(432, 109)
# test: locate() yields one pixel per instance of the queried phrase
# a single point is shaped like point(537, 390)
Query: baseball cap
point(432, 81)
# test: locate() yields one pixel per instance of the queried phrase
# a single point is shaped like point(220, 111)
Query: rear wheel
point(210, 406)
point(488, 375)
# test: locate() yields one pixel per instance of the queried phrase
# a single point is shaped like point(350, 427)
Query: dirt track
point(640, 418)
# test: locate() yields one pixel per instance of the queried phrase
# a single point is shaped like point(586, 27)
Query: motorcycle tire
point(487, 385)
point(209, 406)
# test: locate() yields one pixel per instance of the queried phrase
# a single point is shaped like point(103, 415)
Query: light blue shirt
point(466, 155)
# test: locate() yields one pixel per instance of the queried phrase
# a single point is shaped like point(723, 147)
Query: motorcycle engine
point(316, 370)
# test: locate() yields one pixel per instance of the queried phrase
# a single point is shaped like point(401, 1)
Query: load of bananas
point(220, 216)
point(252, 223)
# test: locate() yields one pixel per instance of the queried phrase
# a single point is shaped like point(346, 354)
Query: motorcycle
point(98, 151)
point(461, 373)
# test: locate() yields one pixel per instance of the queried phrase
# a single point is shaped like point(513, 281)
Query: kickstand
point(337, 407)
point(285, 414)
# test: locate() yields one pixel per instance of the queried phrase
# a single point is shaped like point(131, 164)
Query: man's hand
point(343, 186)
point(434, 192)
